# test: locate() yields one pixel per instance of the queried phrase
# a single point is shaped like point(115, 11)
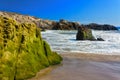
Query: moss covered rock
point(22, 51)
point(84, 34)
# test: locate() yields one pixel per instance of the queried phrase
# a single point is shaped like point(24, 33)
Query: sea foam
point(65, 41)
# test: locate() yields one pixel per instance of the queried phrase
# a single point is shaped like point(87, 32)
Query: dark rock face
point(100, 27)
point(100, 39)
point(84, 34)
point(65, 25)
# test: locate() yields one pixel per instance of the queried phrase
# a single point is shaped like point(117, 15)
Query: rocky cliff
point(54, 25)
point(43, 24)
point(22, 50)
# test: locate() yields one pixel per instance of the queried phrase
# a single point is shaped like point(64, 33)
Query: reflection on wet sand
point(75, 68)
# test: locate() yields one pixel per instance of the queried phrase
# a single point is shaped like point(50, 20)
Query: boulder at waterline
point(22, 51)
point(84, 34)
point(100, 39)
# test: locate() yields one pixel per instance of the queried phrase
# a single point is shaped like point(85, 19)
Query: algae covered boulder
point(84, 34)
point(22, 51)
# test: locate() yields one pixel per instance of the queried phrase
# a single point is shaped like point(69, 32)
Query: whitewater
point(65, 41)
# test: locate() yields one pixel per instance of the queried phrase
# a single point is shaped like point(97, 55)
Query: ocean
point(118, 28)
point(65, 41)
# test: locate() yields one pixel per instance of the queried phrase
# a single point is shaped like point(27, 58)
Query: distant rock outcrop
point(54, 25)
point(84, 34)
point(65, 25)
point(100, 27)
point(23, 52)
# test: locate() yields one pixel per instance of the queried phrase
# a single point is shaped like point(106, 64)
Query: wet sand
point(83, 67)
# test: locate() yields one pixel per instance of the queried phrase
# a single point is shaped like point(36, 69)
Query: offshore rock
point(23, 52)
point(100, 39)
point(84, 34)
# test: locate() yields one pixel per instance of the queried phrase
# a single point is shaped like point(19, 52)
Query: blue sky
point(83, 11)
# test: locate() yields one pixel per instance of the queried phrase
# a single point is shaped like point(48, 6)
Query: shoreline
point(92, 56)
point(83, 66)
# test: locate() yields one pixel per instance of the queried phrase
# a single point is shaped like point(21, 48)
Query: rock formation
point(100, 39)
point(22, 50)
point(54, 25)
point(43, 24)
point(84, 34)
point(100, 27)
point(65, 25)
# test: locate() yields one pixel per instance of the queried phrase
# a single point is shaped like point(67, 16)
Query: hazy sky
point(84, 11)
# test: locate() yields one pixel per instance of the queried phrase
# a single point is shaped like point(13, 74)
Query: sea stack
point(23, 52)
point(84, 34)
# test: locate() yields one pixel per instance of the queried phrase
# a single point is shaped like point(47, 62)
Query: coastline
point(92, 56)
point(83, 66)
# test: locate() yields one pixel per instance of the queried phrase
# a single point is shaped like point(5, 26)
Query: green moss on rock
point(53, 57)
point(22, 51)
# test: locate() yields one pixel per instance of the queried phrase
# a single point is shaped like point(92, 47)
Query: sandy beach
point(80, 66)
